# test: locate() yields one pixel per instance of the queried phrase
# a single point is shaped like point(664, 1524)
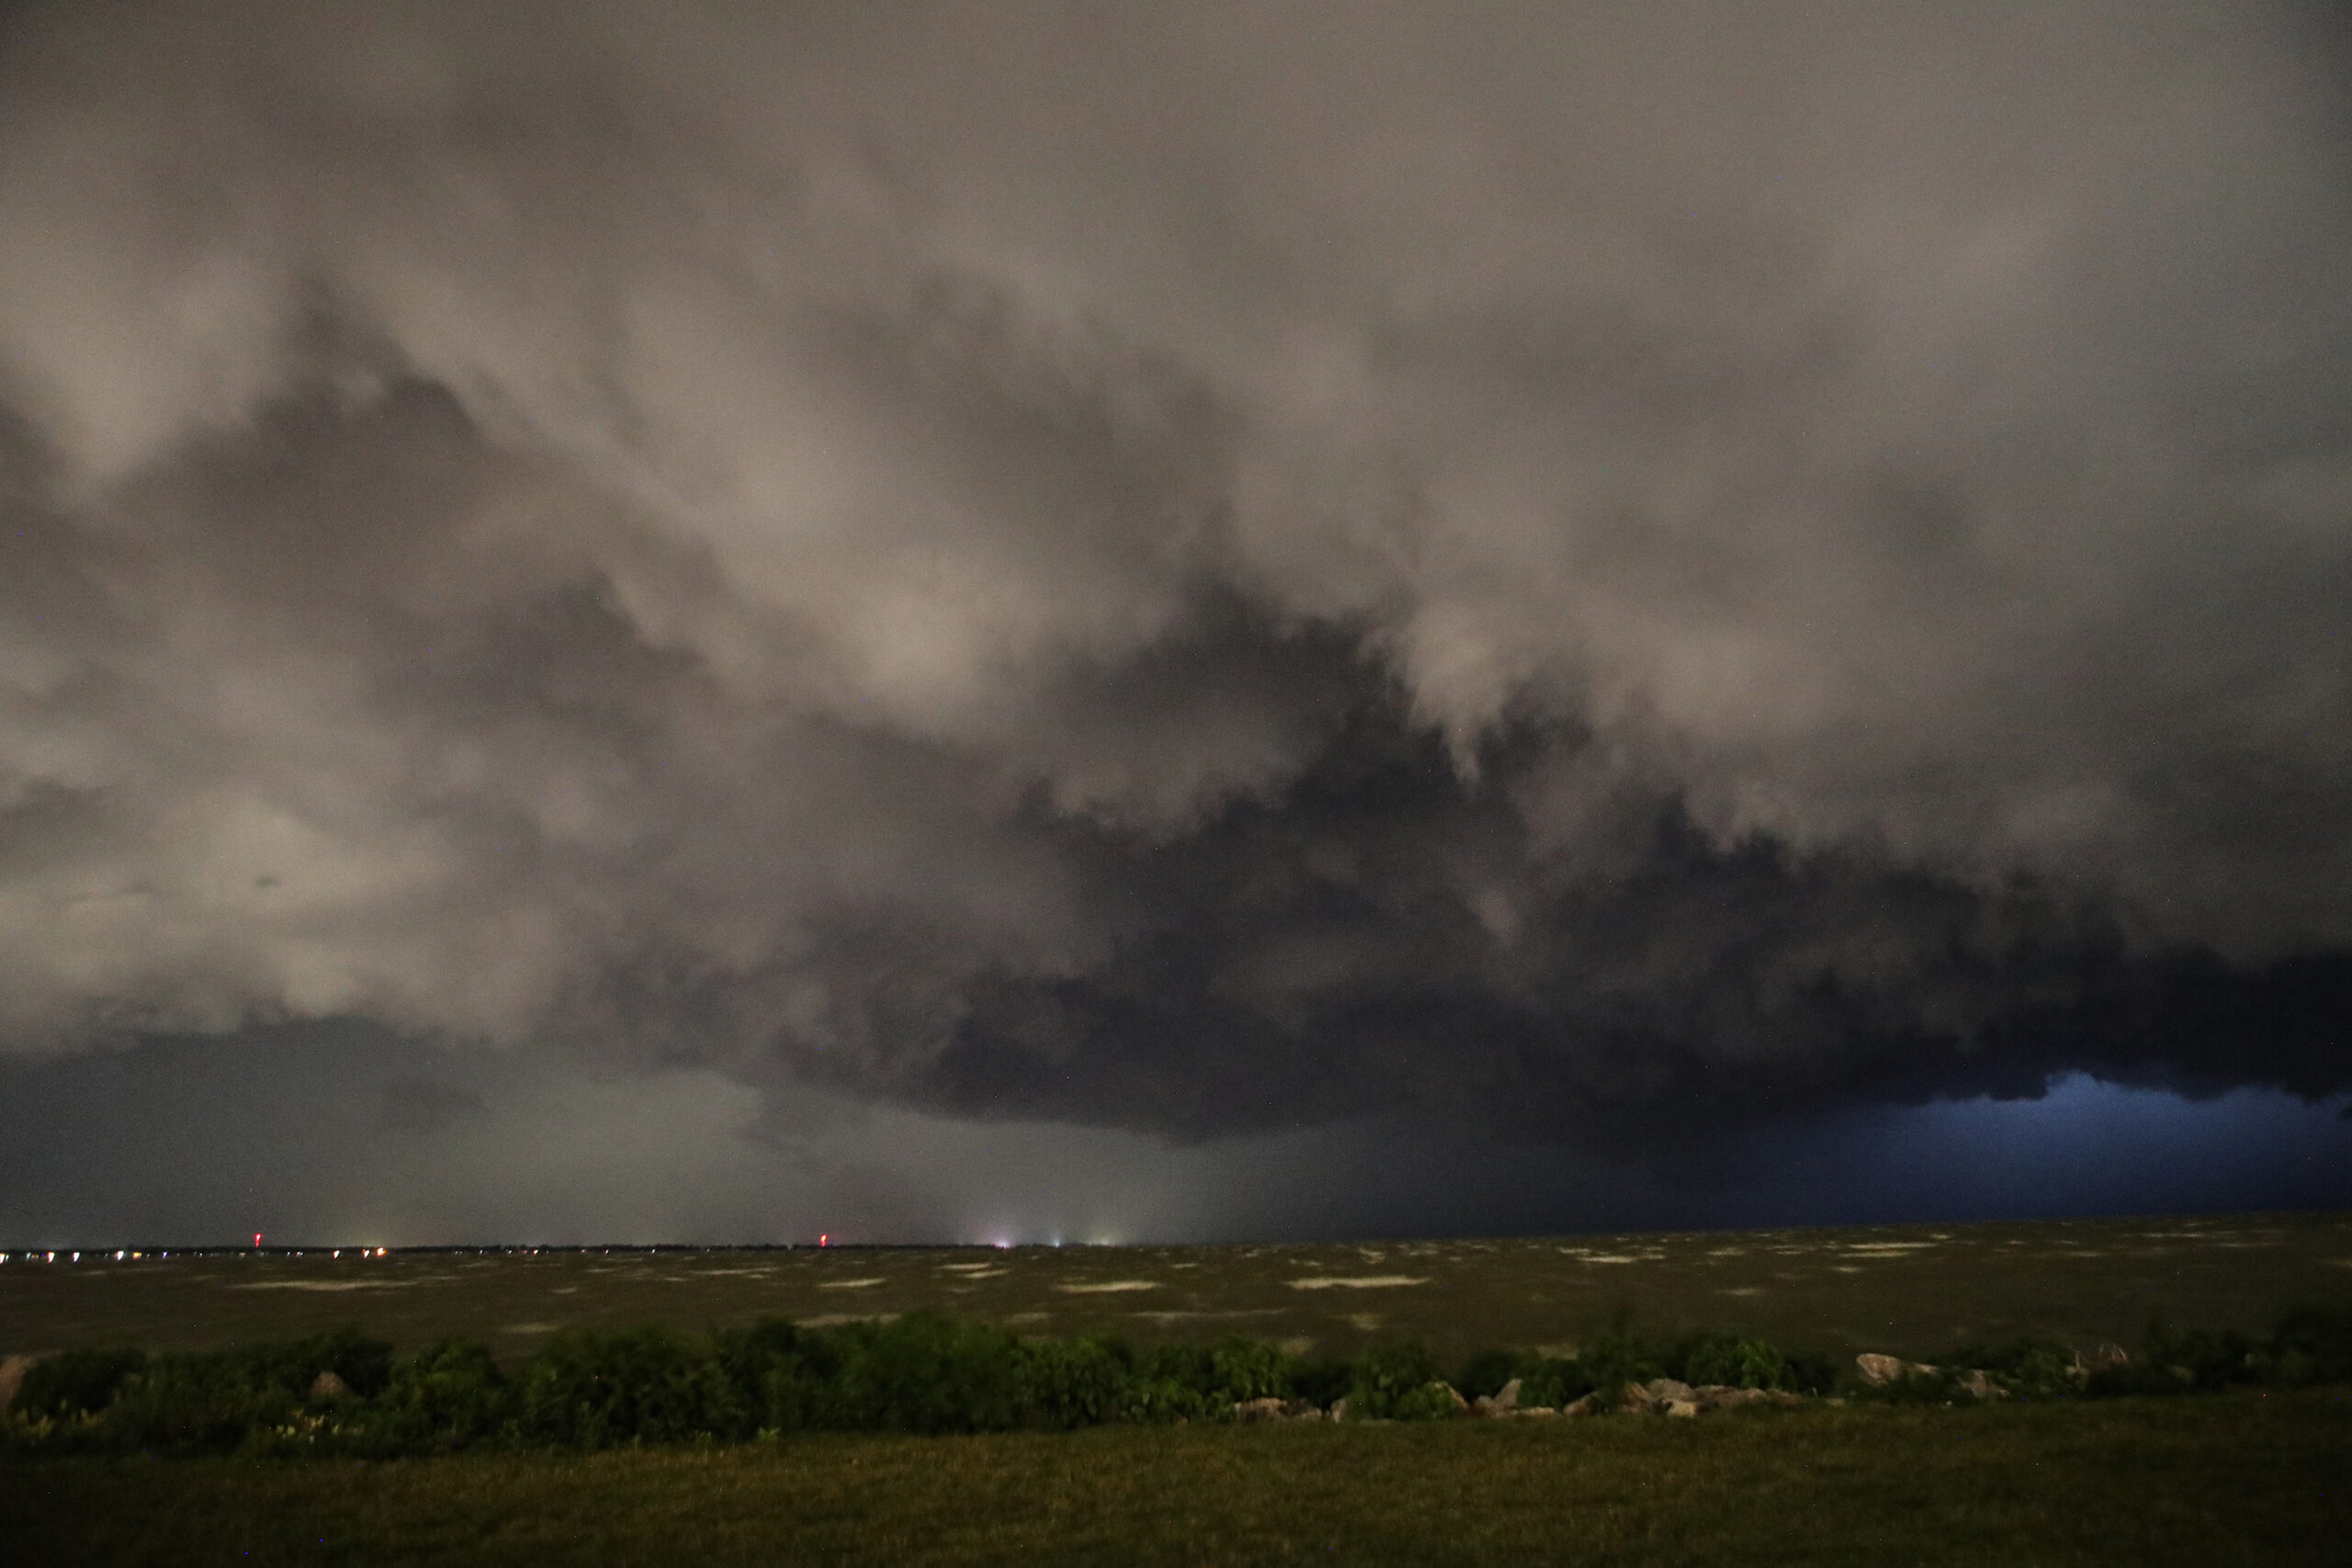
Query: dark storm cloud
point(1597, 570)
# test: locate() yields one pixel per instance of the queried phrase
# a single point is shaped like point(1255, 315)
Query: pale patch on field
point(1297, 1345)
point(1728, 1252)
point(990, 1267)
point(1107, 1287)
point(1742, 1291)
point(852, 1284)
point(1845, 1269)
point(530, 1328)
point(1357, 1283)
point(2339, 1262)
point(1364, 1322)
point(323, 1284)
point(1888, 1248)
point(835, 1319)
point(1607, 1258)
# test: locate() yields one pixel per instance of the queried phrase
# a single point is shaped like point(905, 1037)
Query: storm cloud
point(1587, 570)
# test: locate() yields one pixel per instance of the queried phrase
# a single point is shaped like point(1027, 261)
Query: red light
point(821, 1238)
point(257, 1238)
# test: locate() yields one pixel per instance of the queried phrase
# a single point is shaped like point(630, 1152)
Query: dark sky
point(710, 620)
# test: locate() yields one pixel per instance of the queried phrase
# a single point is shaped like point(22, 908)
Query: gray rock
point(1253, 1412)
point(1978, 1384)
point(12, 1378)
point(1878, 1371)
point(1719, 1396)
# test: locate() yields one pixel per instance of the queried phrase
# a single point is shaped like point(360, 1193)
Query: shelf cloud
point(1603, 571)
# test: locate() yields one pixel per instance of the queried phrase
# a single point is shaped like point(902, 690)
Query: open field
point(1909, 1290)
point(2234, 1479)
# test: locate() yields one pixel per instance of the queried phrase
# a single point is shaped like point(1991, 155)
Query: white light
point(119, 1254)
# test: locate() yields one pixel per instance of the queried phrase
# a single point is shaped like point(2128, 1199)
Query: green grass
point(2240, 1478)
point(1914, 1290)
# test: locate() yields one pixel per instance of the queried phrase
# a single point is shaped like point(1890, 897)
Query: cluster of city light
point(131, 1255)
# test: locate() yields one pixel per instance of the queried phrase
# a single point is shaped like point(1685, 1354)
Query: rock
point(1253, 1412)
point(1503, 1401)
point(1460, 1405)
point(1978, 1384)
point(1679, 1407)
point(326, 1385)
point(12, 1378)
point(1525, 1411)
point(1301, 1410)
point(1339, 1408)
point(1879, 1371)
point(1718, 1396)
point(2105, 1359)
point(1584, 1407)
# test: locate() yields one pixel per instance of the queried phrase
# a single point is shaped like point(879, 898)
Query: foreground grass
point(2240, 1478)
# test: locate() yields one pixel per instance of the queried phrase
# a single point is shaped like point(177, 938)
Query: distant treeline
point(344, 1393)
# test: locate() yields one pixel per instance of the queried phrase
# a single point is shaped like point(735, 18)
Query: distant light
point(77, 1257)
point(257, 1238)
point(824, 1238)
point(119, 1254)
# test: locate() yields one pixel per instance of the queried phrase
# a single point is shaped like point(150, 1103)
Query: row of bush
point(341, 1393)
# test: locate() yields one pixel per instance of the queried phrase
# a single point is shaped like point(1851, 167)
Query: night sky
point(708, 621)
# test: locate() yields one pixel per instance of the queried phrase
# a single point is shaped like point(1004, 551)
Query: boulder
point(12, 1378)
point(1679, 1407)
point(2105, 1359)
point(1718, 1396)
point(1878, 1371)
point(1460, 1405)
point(1584, 1407)
point(1526, 1411)
point(1339, 1408)
point(1506, 1396)
point(1977, 1384)
point(1250, 1412)
point(327, 1385)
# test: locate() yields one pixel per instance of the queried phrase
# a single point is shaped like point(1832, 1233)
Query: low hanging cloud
point(1196, 571)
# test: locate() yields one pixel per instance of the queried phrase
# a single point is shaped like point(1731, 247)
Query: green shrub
point(924, 1373)
point(1393, 1383)
point(1730, 1360)
point(1616, 1356)
point(1554, 1382)
point(78, 1383)
point(595, 1389)
point(1321, 1382)
point(1486, 1372)
point(783, 1374)
point(2311, 1344)
point(449, 1396)
point(1249, 1369)
point(1075, 1382)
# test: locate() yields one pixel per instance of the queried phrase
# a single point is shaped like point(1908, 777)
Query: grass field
point(1909, 1290)
point(2236, 1479)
